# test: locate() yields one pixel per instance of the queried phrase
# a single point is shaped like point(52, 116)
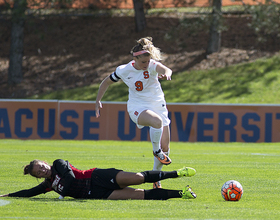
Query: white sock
point(155, 136)
point(158, 165)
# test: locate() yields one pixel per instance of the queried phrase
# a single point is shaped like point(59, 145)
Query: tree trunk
point(214, 42)
point(17, 36)
point(140, 20)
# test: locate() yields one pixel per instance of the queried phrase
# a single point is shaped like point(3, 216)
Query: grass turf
point(254, 165)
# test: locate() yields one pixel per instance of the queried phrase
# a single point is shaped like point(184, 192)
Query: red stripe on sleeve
point(81, 174)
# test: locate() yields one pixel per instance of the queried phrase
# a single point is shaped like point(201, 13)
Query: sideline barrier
point(75, 120)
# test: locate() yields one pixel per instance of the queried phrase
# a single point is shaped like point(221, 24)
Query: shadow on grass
point(57, 200)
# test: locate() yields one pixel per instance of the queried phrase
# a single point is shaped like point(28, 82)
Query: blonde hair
point(145, 44)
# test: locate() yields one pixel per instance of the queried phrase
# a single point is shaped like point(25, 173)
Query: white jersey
point(144, 87)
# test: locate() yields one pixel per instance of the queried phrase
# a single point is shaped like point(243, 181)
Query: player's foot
point(162, 157)
point(186, 171)
point(187, 193)
point(157, 185)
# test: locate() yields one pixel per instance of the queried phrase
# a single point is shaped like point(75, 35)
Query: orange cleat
point(157, 185)
point(162, 157)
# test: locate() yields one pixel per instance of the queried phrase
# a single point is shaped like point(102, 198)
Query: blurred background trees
point(214, 41)
point(265, 20)
point(17, 36)
point(140, 20)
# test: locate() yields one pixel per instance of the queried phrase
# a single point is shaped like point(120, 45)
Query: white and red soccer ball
point(232, 190)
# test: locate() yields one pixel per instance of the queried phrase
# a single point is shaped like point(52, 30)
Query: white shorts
point(134, 110)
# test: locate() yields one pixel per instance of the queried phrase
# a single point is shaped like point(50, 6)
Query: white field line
point(3, 202)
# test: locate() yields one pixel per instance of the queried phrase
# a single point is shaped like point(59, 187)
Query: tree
point(265, 19)
point(17, 37)
point(15, 74)
point(140, 5)
point(140, 19)
point(214, 41)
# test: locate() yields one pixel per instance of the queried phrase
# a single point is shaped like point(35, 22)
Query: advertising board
point(75, 120)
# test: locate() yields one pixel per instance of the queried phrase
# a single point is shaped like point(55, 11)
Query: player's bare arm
point(102, 89)
point(163, 71)
point(4, 195)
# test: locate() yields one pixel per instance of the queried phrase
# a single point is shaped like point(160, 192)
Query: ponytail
point(26, 169)
point(29, 167)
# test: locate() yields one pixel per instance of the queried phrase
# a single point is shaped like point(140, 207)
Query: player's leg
point(124, 179)
point(165, 142)
point(165, 139)
point(164, 194)
point(152, 119)
point(127, 193)
point(142, 116)
point(153, 194)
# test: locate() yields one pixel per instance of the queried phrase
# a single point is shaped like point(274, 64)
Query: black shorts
point(103, 183)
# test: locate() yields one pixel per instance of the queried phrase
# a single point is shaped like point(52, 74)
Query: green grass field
point(255, 165)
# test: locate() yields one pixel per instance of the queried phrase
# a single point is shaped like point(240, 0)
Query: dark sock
point(161, 194)
point(154, 176)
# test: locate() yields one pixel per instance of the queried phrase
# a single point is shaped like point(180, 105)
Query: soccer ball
point(232, 190)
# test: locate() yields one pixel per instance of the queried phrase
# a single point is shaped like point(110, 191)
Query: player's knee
point(140, 178)
point(157, 123)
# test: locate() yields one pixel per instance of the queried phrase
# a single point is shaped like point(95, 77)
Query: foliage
point(265, 19)
point(19, 10)
point(190, 26)
point(177, 3)
point(255, 82)
point(254, 165)
point(194, 24)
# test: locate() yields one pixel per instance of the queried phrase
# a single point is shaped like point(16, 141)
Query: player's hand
point(4, 195)
point(98, 105)
point(163, 72)
point(168, 76)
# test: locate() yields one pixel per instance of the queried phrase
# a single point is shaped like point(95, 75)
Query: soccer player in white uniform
point(146, 104)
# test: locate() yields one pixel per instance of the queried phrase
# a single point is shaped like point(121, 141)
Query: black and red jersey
point(66, 180)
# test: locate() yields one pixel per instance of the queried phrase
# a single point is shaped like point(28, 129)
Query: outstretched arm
point(4, 195)
point(163, 71)
point(102, 89)
point(28, 192)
